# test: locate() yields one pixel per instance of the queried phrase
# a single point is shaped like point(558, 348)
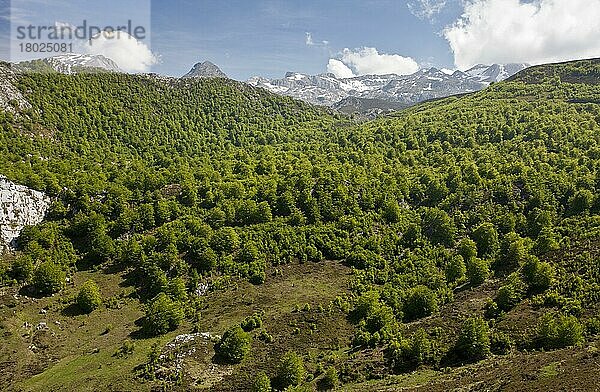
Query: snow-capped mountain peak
point(405, 90)
point(69, 63)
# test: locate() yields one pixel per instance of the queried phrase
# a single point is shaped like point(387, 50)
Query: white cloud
point(538, 31)
point(426, 9)
point(368, 61)
point(130, 54)
point(309, 39)
point(339, 69)
point(310, 42)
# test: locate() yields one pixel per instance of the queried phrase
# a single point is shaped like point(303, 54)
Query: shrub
point(500, 343)
point(204, 259)
point(592, 326)
point(22, 269)
point(510, 294)
point(366, 304)
point(176, 289)
point(126, 349)
point(538, 275)
point(262, 383)
point(162, 315)
point(392, 212)
point(546, 241)
point(421, 347)
point(456, 269)
point(89, 297)
point(486, 238)
point(512, 251)
point(291, 370)
point(559, 332)
point(478, 270)
point(421, 302)
point(330, 379)
point(48, 278)
point(439, 227)
point(491, 309)
point(581, 201)
point(467, 248)
point(225, 240)
point(234, 345)
point(153, 280)
point(251, 322)
point(265, 336)
point(474, 341)
point(417, 350)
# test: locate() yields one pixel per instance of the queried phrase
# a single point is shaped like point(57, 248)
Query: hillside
point(206, 234)
point(578, 72)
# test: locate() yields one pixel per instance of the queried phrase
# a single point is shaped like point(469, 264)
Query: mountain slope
point(395, 90)
point(580, 71)
point(70, 63)
point(449, 245)
point(205, 70)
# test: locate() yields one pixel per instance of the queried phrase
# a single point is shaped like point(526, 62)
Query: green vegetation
point(48, 278)
point(262, 383)
point(234, 345)
point(291, 370)
point(199, 192)
point(474, 340)
point(89, 297)
point(559, 331)
point(162, 315)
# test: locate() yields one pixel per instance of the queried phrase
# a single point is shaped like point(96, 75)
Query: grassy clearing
point(77, 351)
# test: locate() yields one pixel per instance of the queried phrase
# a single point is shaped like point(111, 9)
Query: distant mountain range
point(385, 92)
point(70, 63)
point(368, 94)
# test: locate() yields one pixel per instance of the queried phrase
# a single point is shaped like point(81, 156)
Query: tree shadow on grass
point(72, 310)
point(142, 332)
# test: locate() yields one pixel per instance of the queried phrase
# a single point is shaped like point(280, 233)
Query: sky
point(346, 37)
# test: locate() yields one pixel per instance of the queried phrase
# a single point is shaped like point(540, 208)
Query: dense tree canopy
point(192, 181)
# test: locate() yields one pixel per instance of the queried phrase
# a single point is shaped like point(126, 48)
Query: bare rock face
point(11, 99)
point(380, 92)
point(205, 70)
point(20, 206)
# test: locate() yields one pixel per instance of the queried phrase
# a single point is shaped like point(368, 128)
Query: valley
point(207, 234)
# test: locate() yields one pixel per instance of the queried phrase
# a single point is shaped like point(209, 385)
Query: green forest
point(455, 232)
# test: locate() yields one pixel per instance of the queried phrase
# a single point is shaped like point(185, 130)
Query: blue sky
point(347, 37)
point(268, 38)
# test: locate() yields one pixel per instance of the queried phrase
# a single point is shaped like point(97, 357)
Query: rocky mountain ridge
point(70, 63)
point(396, 90)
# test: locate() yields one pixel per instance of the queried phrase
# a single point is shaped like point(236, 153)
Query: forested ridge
point(186, 184)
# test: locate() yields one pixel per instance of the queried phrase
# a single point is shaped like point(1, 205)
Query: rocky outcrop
point(205, 70)
point(20, 206)
point(11, 99)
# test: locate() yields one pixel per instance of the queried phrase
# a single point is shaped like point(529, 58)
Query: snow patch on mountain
point(327, 90)
point(70, 63)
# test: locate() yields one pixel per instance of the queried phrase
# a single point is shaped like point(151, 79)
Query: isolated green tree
point(291, 370)
point(234, 345)
point(89, 297)
point(474, 341)
point(262, 383)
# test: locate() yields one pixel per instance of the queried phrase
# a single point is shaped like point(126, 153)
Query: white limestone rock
point(20, 206)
